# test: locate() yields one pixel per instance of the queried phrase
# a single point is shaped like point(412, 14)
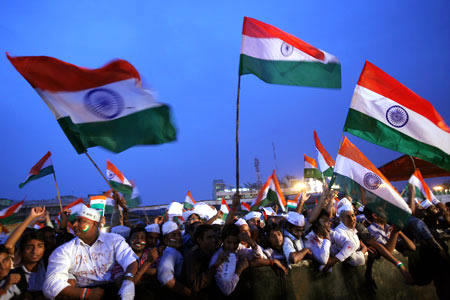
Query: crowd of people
point(204, 257)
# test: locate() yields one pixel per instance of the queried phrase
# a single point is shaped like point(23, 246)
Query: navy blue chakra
point(104, 103)
point(397, 116)
point(372, 181)
point(286, 49)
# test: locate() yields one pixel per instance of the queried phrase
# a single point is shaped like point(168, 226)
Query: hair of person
point(137, 229)
point(272, 227)
point(3, 249)
point(368, 213)
point(230, 229)
point(201, 230)
point(46, 229)
point(28, 236)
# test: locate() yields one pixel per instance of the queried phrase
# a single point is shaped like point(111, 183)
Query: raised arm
point(35, 212)
point(234, 205)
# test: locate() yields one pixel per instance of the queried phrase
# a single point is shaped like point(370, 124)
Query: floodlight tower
point(258, 173)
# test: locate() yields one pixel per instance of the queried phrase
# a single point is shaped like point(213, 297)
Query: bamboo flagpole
point(57, 190)
point(237, 136)
point(95, 165)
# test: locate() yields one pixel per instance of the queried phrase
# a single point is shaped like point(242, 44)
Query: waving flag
point(353, 170)
point(117, 179)
point(104, 107)
point(189, 201)
point(423, 192)
point(224, 208)
point(43, 167)
point(269, 194)
point(387, 113)
point(326, 163)
point(310, 170)
point(75, 209)
point(279, 57)
point(294, 203)
point(245, 207)
point(6, 214)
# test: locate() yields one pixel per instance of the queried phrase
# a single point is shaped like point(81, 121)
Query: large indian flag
point(269, 194)
point(42, 168)
point(310, 169)
point(104, 107)
point(423, 192)
point(353, 171)
point(387, 113)
point(325, 161)
point(279, 57)
point(117, 180)
point(189, 201)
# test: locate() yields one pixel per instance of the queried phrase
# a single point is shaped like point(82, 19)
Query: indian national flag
point(293, 203)
point(245, 207)
point(423, 192)
point(387, 113)
point(117, 180)
point(224, 208)
point(279, 57)
point(326, 163)
point(98, 203)
point(7, 214)
point(353, 170)
point(310, 170)
point(75, 209)
point(189, 201)
point(269, 194)
point(43, 167)
point(133, 199)
point(104, 107)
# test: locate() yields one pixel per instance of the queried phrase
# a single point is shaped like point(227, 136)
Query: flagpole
point(95, 165)
point(57, 191)
point(237, 136)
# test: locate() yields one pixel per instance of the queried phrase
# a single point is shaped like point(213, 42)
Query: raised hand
point(37, 212)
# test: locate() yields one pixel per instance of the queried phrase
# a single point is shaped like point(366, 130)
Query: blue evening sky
point(189, 53)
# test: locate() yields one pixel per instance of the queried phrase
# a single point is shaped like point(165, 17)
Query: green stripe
point(312, 173)
point(328, 172)
point(147, 127)
point(376, 132)
point(394, 214)
point(418, 192)
point(187, 205)
point(133, 202)
point(122, 188)
point(314, 74)
point(44, 172)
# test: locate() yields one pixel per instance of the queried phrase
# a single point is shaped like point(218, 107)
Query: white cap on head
point(344, 208)
point(426, 203)
point(296, 219)
point(90, 213)
point(240, 222)
point(218, 222)
point(169, 227)
point(153, 228)
point(121, 230)
point(205, 211)
point(188, 213)
point(252, 214)
point(343, 201)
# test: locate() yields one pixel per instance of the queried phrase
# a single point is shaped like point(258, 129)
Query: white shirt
point(319, 247)
point(91, 265)
point(226, 287)
point(344, 242)
point(291, 244)
point(11, 292)
point(170, 265)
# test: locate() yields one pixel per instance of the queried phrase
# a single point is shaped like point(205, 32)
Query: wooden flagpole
point(237, 136)
point(57, 190)
point(95, 165)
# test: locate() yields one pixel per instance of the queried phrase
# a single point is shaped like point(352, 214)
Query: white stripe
point(356, 172)
point(321, 162)
point(416, 182)
point(63, 104)
point(113, 177)
point(47, 163)
point(270, 49)
point(224, 209)
point(309, 166)
point(418, 127)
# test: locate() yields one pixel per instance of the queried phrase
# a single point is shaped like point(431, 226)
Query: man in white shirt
point(89, 258)
point(293, 247)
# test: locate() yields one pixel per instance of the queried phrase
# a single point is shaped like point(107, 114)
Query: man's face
point(245, 228)
point(254, 222)
point(85, 228)
point(231, 243)
point(152, 239)
point(174, 239)
point(276, 238)
point(138, 241)
point(50, 239)
point(297, 231)
point(33, 251)
point(5, 265)
point(349, 219)
point(325, 223)
point(208, 242)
